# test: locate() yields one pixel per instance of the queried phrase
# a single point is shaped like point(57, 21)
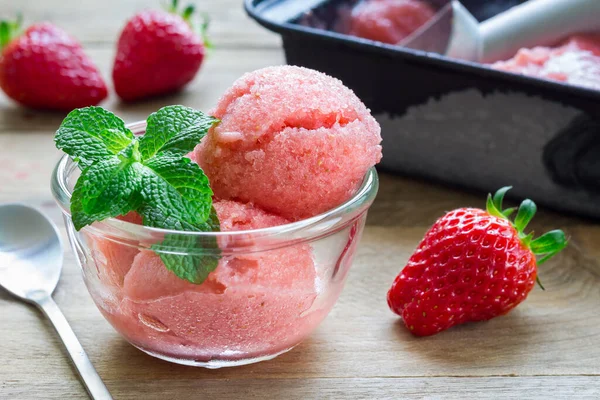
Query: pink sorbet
point(291, 140)
point(576, 61)
point(252, 304)
point(113, 259)
point(388, 21)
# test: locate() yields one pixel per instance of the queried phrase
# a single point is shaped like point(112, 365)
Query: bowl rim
point(328, 220)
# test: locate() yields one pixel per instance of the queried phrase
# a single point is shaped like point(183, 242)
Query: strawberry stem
point(539, 282)
point(10, 30)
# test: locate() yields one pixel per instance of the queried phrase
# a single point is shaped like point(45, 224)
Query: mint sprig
point(149, 175)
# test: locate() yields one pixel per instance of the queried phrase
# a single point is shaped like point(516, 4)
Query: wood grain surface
point(549, 347)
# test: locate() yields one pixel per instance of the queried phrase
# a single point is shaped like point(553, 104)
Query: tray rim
point(418, 56)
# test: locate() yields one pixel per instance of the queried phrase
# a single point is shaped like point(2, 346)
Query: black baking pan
point(454, 121)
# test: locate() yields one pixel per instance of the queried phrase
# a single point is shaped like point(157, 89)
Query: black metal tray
point(453, 121)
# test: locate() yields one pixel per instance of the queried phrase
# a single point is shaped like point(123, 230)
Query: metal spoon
point(31, 258)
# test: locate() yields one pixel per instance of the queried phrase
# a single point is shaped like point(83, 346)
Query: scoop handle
point(535, 23)
point(91, 380)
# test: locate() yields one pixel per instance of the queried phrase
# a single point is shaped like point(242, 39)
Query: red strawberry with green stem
point(472, 265)
point(46, 68)
point(158, 52)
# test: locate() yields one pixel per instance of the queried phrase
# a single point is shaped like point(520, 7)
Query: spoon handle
point(536, 23)
point(91, 380)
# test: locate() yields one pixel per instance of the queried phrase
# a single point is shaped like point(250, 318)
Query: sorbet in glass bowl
point(273, 285)
point(290, 163)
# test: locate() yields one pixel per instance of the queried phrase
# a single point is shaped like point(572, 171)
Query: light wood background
point(547, 348)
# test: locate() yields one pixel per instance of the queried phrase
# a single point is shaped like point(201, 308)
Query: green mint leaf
point(178, 197)
point(176, 194)
point(190, 257)
point(196, 264)
point(92, 134)
point(174, 129)
point(212, 224)
point(151, 176)
point(79, 217)
point(106, 189)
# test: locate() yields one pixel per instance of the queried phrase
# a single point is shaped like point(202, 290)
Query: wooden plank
point(544, 336)
point(547, 348)
point(172, 387)
point(100, 22)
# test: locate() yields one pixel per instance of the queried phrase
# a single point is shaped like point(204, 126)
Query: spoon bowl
point(31, 254)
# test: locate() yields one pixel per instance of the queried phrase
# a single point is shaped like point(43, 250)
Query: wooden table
point(548, 347)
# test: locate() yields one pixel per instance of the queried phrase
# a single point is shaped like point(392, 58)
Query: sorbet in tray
point(386, 21)
point(236, 256)
point(575, 61)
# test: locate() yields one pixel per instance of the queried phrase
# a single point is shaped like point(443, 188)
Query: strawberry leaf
point(187, 12)
point(9, 30)
point(548, 245)
point(492, 209)
point(499, 196)
point(526, 212)
point(509, 211)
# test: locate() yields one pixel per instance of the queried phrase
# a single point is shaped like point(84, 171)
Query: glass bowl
point(272, 287)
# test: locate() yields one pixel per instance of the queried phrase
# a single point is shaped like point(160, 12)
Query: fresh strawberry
point(158, 52)
point(472, 265)
point(46, 68)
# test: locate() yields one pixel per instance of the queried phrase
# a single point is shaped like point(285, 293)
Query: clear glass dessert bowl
point(269, 291)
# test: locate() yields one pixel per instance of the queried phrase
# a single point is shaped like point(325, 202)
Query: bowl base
point(214, 363)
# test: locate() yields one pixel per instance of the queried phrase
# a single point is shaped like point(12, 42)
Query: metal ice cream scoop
point(456, 33)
